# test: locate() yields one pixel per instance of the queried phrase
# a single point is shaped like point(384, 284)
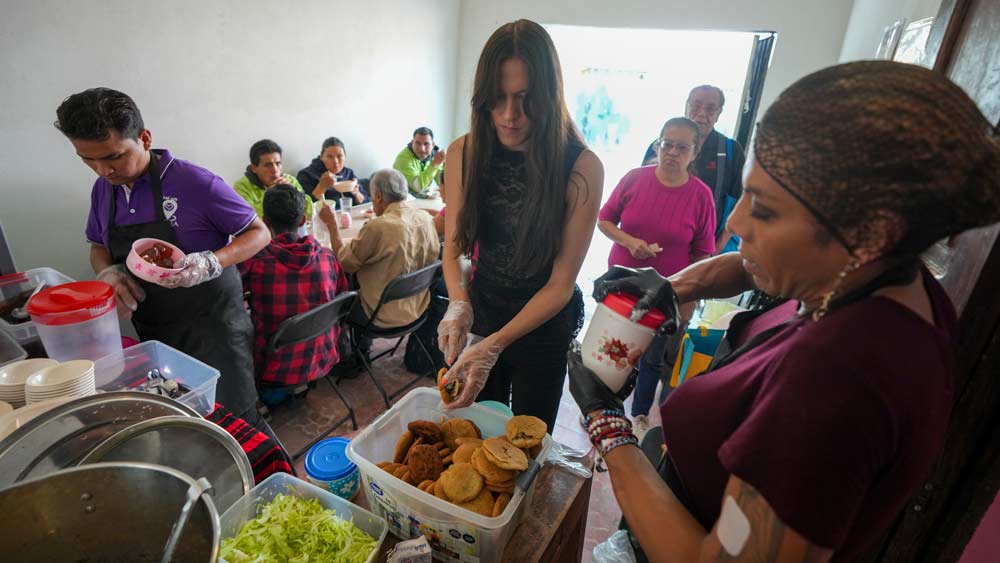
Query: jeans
point(653, 366)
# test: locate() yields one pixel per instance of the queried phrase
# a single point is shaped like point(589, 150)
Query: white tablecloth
point(359, 218)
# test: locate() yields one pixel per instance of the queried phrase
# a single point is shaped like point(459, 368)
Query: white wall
point(211, 77)
point(810, 32)
point(869, 18)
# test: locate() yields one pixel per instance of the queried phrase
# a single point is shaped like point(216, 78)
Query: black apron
point(207, 321)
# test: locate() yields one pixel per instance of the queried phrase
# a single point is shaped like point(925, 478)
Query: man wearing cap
point(144, 193)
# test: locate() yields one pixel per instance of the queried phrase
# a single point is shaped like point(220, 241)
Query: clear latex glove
point(199, 267)
point(127, 290)
point(472, 369)
point(453, 330)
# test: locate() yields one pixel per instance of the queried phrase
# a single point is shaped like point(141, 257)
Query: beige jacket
point(400, 241)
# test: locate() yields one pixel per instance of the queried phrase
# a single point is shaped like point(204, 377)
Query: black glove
point(652, 289)
point(590, 393)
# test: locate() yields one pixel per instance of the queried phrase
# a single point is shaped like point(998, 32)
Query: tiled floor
point(298, 423)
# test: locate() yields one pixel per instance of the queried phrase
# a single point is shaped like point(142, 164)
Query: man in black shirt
point(718, 157)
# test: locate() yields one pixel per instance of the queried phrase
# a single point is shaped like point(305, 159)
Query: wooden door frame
point(940, 520)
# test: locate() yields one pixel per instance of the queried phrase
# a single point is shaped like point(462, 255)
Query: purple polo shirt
point(201, 207)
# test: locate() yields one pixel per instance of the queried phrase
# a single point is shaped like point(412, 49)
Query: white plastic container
point(15, 284)
point(126, 369)
point(454, 533)
point(77, 321)
point(612, 337)
point(249, 506)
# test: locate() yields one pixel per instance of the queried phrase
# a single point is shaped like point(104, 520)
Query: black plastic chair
point(308, 326)
point(406, 285)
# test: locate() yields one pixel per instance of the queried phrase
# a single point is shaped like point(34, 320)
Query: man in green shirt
point(263, 173)
point(422, 163)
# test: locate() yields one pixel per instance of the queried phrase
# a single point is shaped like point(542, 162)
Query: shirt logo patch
point(169, 209)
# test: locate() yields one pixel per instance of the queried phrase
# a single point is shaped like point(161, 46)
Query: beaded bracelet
point(605, 446)
point(608, 426)
point(606, 412)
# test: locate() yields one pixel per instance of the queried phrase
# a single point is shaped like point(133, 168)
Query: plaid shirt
point(265, 455)
point(291, 276)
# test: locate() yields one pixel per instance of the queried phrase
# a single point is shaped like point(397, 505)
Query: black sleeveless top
point(499, 290)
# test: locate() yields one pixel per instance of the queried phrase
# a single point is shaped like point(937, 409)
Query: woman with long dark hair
point(522, 185)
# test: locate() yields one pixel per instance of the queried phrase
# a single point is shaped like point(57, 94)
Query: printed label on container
point(452, 542)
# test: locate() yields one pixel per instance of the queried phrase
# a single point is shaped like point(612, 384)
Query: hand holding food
point(327, 180)
point(472, 369)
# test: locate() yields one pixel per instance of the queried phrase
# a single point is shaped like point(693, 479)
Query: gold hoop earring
point(824, 307)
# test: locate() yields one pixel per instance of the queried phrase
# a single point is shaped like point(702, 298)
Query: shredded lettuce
point(294, 530)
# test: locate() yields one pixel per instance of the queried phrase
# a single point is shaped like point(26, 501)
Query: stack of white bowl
point(13, 377)
point(68, 379)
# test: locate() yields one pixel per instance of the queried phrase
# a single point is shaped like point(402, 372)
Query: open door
point(760, 61)
point(936, 526)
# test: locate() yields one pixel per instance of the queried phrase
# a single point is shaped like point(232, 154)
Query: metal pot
point(193, 446)
point(106, 512)
point(61, 437)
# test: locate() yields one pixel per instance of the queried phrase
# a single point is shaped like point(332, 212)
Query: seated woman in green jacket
point(263, 173)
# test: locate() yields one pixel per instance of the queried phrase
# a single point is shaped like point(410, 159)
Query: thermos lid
point(622, 304)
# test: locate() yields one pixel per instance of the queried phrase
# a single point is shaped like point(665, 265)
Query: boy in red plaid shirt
point(291, 275)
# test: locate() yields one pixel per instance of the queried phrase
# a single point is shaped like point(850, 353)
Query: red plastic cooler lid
point(70, 297)
point(622, 304)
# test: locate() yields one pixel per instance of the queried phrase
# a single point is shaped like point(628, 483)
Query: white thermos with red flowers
point(612, 337)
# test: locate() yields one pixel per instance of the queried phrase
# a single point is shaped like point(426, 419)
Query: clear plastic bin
point(10, 350)
point(15, 284)
point(127, 369)
point(455, 534)
point(248, 507)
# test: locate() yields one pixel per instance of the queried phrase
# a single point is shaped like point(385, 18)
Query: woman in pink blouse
point(660, 217)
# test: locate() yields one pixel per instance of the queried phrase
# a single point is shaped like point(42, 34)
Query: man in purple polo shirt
point(149, 193)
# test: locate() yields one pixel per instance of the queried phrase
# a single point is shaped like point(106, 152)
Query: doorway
point(622, 84)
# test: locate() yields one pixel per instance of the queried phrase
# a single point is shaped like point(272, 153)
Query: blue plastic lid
point(497, 406)
point(328, 461)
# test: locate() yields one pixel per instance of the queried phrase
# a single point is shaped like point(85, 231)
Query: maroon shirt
point(836, 422)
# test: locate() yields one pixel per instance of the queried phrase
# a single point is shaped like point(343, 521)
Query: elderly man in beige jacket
point(399, 240)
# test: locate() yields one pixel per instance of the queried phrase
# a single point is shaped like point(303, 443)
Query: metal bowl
point(105, 512)
point(192, 446)
point(61, 437)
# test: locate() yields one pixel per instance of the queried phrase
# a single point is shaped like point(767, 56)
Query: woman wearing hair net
point(820, 417)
